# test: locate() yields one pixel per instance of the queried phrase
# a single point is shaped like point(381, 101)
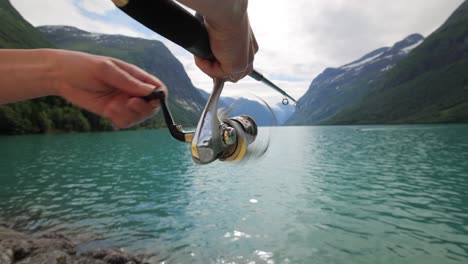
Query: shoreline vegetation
point(53, 115)
point(55, 248)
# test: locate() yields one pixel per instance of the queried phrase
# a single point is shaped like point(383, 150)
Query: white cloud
point(97, 6)
point(58, 12)
point(302, 37)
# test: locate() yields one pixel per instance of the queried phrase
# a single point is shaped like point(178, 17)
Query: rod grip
point(171, 21)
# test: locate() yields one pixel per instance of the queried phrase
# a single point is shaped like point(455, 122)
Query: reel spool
point(248, 107)
point(240, 132)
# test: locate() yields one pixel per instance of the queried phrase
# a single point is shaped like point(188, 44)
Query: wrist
point(42, 68)
point(51, 82)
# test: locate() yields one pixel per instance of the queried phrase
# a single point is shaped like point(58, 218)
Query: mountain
point(428, 86)
point(337, 89)
point(283, 112)
point(16, 32)
point(204, 95)
point(262, 114)
point(185, 101)
point(415, 81)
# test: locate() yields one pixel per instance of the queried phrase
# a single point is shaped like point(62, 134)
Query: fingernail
point(151, 87)
point(154, 104)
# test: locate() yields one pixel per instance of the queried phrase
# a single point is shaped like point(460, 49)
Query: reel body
point(224, 139)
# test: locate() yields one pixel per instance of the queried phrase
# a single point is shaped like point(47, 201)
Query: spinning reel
point(226, 139)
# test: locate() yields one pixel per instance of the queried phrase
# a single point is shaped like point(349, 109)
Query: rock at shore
point(19, 248)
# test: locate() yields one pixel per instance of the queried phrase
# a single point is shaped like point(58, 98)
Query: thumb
point(211, 68)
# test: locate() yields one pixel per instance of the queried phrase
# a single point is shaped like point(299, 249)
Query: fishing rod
point(215, 138)
point(176, 24)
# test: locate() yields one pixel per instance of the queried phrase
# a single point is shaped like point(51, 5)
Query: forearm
point(25, 74)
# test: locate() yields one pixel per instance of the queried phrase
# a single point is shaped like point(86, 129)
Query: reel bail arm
point(206, 144)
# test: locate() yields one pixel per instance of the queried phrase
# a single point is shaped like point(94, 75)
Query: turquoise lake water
point(351, 194)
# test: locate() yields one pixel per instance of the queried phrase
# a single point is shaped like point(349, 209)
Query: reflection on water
point(371, 194)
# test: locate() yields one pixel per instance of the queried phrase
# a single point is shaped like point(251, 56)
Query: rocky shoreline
point(53, 248)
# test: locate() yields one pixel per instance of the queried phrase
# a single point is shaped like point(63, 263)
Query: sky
point(298, 39)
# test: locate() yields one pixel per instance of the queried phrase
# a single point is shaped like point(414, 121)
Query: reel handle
point(176, 130)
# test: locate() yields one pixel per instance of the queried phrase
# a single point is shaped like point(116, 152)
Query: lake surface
point(352, 194)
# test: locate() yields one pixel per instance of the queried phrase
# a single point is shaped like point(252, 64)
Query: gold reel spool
point(253, 123)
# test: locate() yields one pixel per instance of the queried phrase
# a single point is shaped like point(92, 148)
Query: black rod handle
point(171, 21)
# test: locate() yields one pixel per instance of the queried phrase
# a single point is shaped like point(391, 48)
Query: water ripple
point(372, 194)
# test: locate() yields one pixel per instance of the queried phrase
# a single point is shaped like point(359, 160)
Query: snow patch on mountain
point(389, 67)
point(410, 48)
point(361, 62)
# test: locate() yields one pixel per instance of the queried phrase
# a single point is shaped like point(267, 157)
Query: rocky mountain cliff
point(428, 86)
point(336, 89)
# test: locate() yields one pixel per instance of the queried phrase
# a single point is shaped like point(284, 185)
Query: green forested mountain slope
point(15, 32)
point(337, 89)
point(428, 86)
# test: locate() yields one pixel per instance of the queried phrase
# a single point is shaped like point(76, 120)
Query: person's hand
point(233, 47)
point(232, 40)
point(106, 86)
